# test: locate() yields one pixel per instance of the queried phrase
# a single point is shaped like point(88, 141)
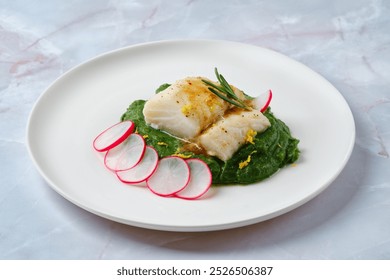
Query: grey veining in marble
point(345, 41)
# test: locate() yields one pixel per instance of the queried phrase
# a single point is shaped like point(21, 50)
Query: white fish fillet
point(188, 110)
point(184, 109)
point(227, 135)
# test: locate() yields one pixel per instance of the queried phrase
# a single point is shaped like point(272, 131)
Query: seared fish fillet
point(227, 135)
point(189, 110)
point(185, 108)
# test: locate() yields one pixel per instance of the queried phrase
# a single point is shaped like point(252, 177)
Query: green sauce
point(272, 149)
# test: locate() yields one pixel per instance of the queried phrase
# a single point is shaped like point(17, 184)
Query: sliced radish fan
point(262, 101)
point(171, 176)
point(143, 170)
point(134, 162)
point(127, 154)
point(113, 136)
point(200, 180)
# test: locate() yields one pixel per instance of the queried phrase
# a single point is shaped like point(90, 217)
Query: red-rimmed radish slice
point(113, 136)
point(127, 154)
point(171, 176)
point(143, 170)
point(200, 180)
point(262, 101)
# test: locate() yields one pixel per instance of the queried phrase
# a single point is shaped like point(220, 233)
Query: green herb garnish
point(224, 91)
point(162, 87)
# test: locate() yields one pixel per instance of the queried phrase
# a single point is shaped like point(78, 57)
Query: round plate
point(92, 97)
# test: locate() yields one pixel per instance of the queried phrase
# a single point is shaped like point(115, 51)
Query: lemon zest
point(162, 144)
point(250, 135)
point(182, 155)
point(186, 109)
point(245, 163)
point(210, 103)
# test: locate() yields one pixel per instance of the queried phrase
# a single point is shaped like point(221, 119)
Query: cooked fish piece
point(228, 134)
point(185, 108)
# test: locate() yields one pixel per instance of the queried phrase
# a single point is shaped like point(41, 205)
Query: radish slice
point(171, 176)
point(200, 180)
point(113, 136)
point(262, 101)
point(126, 155)
point(143, 170)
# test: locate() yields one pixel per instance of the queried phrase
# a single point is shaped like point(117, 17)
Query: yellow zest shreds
point(250, 135)
point(210, 103)
point(145, 136)
point(245, 163)
point(162, 144)
point(186, 109)
point(182, 155)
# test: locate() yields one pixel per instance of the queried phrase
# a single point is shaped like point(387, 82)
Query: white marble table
point(345, 41)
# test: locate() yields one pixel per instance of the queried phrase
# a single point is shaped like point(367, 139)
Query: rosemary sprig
point(224, 91)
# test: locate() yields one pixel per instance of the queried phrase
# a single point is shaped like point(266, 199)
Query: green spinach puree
point(272, 149)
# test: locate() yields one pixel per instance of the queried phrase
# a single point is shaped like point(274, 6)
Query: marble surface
point(345, 41)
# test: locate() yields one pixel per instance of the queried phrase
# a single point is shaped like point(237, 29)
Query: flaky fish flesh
point(228, 134)
point(188, 110)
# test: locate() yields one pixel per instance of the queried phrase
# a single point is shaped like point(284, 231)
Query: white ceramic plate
point(92, 96)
